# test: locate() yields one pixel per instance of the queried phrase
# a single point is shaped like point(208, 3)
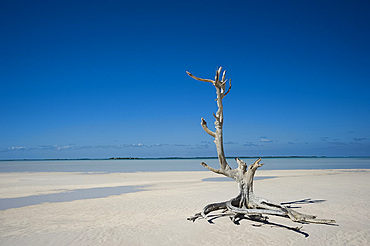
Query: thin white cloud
point(181, 145)
point(230, 142)
point(265, 140)
point(74, 147)
point(17, 148)
point(250, 144)
point(199, 146)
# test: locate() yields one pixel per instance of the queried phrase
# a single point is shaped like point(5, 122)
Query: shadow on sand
point(263, 220)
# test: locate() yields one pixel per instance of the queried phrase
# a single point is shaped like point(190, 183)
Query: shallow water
point(70, 195)
point(158, 165)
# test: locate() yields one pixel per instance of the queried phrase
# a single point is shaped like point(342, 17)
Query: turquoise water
point(157, 165)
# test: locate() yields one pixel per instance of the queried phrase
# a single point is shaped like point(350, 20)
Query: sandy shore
point(157, 214)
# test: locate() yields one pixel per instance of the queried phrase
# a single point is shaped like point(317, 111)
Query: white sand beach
point(157, 214)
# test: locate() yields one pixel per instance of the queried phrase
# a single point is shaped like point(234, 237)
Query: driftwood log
point(246, 203)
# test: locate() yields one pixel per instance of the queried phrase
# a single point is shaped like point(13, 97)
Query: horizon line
point(177, 157)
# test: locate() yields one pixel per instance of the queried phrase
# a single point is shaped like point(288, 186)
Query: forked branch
point(220, 84)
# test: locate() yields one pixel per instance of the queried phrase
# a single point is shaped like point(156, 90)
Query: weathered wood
point(246, 202)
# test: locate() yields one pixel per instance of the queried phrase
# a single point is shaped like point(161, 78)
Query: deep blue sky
point(99, 79)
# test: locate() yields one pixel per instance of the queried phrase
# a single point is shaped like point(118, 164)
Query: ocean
point(176, 164)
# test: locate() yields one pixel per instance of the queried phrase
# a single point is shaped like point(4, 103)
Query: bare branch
point(218, 171)
point(320, 221)
point(217, 118)
point(256, 164)
point(219, 71)
point(242, 165)
point(217, 77)
point(228, 89)
point(200, 79)
point(204, 125)
point(223, 76)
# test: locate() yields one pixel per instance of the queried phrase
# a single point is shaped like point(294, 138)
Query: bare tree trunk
point(246, 203)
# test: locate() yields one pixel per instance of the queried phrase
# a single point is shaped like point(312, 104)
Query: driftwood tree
point(246, 203)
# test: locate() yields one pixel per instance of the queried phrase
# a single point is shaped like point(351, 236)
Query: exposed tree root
point(258, 212)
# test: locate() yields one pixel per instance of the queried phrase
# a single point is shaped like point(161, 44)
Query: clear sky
point(95, 79)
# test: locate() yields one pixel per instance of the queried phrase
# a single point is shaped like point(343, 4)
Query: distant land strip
point(173, 158)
